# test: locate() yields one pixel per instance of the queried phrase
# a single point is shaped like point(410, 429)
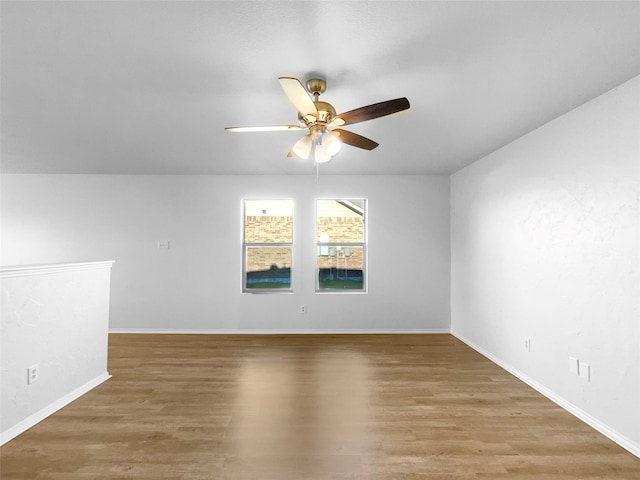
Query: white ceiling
point(148, 87)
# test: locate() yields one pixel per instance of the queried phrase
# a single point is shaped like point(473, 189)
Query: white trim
point(50, 409)
point(161, 331)
point(607, 431)
point(26, 270)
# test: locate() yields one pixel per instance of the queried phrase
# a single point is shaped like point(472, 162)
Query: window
point(341, 245)
point(267, 245)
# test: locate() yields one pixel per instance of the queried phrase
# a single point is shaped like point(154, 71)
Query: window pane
point(340, 221)
point(268, 221)
point(340, 267)
point(268, 267)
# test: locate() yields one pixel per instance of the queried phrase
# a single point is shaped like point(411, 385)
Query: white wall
point(195, 285)
point(545, 245)
point(55, 317)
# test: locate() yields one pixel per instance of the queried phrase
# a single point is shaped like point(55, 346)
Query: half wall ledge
point(54, 320)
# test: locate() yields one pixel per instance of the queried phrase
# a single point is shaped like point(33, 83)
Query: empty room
point(277, 240)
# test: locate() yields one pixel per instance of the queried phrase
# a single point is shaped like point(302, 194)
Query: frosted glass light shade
point(331, 144)
point(321, 155)
point(302, 148)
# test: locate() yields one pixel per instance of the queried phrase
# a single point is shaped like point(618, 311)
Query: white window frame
point(328, 246)
point(246, 245)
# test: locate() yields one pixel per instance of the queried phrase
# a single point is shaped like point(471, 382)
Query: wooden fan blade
point(370, 112)
point(297, 94)
point(264, 128)
point(354, 139)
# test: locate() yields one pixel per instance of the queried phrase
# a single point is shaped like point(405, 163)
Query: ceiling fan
point(324, 139)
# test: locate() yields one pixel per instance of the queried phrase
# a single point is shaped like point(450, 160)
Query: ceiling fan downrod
point(316, 86)
point(325, 111)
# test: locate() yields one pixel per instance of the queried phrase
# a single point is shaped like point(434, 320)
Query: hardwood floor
point(310, 407)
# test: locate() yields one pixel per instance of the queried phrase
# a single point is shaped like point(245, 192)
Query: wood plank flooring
point(310, 407)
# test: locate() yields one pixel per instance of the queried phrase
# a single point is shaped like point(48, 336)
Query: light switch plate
point(163, 244)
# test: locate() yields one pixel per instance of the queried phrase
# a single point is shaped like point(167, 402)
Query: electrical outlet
point(303, 309)
point(573, 365)
point(33, 374)
point(527, 344)
point(585, 371)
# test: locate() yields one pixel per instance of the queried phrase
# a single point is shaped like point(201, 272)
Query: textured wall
point(196, 283)
point(545, 245)
point(56, 317)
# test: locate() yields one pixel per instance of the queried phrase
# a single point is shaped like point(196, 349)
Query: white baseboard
point(50, 409)
point(607, 431)
point(275, 332)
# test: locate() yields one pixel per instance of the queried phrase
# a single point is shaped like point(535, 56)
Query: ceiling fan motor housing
point(325, 113)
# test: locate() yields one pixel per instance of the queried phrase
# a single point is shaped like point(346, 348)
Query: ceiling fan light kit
point(302, 148)
point(331, 143)
point(324, 139)
point(320, 155)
